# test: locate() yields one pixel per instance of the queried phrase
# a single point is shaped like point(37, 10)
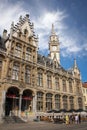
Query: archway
point(12, 100)
point(27, 98)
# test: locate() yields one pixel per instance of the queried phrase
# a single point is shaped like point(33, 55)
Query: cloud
point(71, 40)
point(9, 12)
point(44, 23)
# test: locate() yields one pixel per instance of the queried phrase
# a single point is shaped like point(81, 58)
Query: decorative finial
point(27, 17)
point(12, 25)
point(32, 25)
point(20, 18)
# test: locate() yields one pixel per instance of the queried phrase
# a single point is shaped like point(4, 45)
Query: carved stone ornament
point(22, 85)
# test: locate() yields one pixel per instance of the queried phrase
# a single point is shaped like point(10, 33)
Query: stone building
point(84, 90)
point(32, 82)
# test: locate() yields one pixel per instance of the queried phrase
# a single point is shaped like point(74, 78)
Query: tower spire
point(75, 64)
point(54, 46)
point(53, 32)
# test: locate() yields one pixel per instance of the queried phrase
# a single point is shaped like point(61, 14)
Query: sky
point(70, 22)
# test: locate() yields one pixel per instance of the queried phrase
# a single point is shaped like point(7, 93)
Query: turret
point(76, 69)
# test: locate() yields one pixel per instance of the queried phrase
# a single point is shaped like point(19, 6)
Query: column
point(34, 102)
point(3, 103)
point(68, 102)
point(53, 102)
point(44, 102)
point(76, 102)
point(20, 102)
point(61, 101)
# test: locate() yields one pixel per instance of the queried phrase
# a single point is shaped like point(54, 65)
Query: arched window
point(15, 73)
point(57, 102)
point(71, 100)
point(39, 101)
point(48, 101)
point(65, 104)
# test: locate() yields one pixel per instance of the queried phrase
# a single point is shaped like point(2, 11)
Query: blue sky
point(70, 21)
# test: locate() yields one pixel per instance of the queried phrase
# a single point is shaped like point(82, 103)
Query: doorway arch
point(11, 100)
point(27, 98)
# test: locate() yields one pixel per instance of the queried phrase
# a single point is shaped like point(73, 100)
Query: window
point(65, 105)
point(71, 102)
point(80, 103)
point(77, 87)
point(28, 54)
point(48, 101)
point(70, 87)
point(27, 75)
point(57, 102)
point(15, 73)
point(49, 82)
point(86, 91)
point(64, 85)
point(18, 50)
point(57, 84)
point(86, 108)
point(39, 101)
point(85, 98)
point(83, 90)
point(40, 79)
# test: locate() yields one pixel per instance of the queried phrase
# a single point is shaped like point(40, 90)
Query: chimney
point(4, 33)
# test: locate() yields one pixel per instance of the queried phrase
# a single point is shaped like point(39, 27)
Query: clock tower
point(54, 46)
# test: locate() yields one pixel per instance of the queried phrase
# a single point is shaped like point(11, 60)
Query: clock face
point(54, 48)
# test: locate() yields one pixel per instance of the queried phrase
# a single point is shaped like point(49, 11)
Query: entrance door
point(27, 100)
point(12, 100)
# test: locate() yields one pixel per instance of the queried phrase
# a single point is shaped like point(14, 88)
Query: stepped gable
point(24, 26)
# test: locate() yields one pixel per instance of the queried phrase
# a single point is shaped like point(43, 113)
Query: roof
point(84, 84)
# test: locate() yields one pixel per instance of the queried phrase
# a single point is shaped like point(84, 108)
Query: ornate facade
point(32, 82)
